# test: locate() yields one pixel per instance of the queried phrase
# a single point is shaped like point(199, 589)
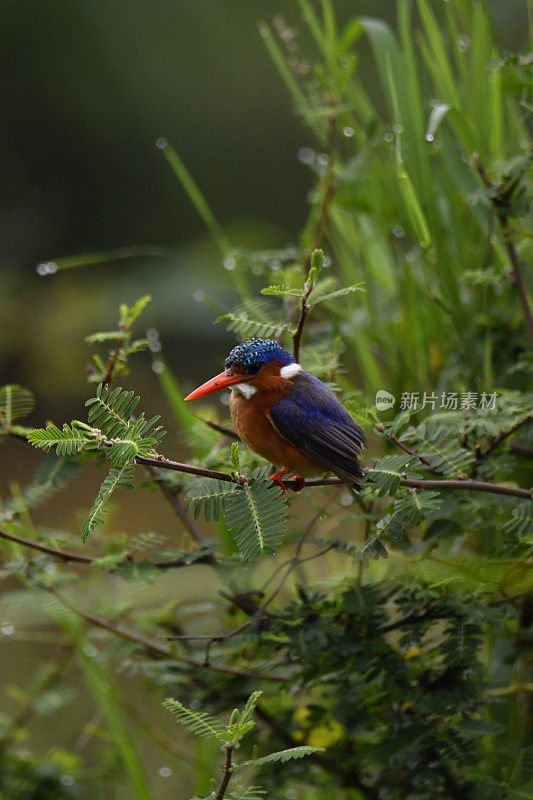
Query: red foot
point(277, 479)
point(301, 483)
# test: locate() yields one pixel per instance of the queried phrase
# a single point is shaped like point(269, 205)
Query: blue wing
point(312, 419)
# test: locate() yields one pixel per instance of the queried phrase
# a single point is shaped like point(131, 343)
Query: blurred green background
point(87, 88)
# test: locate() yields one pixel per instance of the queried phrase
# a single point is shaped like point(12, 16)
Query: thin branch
point(66, 555)
point(291, 563)
point(173, 498)
point(503, 435)
point(161, 649)
point(412, 483)
point(228, 771)
point(323, 217)
point(217, 426)
point(394, 439)
point(500, 204)
point(111, 366)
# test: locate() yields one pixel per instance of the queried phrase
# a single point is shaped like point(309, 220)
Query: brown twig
point(227, 769)
point(112, 363)
point(412, 483)
point(172, 495)
point(161, 649)
point(394, 439)
point(503, 435)
point(66, 555)
point(217, 426)
point(328, 190)
point(501, 204)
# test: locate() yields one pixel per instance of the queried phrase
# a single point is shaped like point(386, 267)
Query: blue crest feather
point(256, 352)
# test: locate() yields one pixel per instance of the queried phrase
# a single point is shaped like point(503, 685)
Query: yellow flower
point(328, 732)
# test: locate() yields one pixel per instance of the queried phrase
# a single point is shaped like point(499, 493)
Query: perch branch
point(412, 483)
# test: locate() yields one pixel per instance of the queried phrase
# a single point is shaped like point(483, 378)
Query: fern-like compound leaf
point(15, 402)
point(197, 722)
point(439, 447)
point(257, 519)
point(111, 410)
point(281, 756)
point(254, 319)
point(117, 479)
point(387, 472)
point(317, 298)
point(208, 498)
point(70, 440)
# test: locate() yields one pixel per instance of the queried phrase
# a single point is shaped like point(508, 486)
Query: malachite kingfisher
point(287, 415)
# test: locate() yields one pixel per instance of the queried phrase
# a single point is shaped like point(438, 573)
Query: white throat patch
point(290, 370)
point(246, 389)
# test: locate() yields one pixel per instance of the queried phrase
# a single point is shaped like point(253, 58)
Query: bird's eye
point(253, 369)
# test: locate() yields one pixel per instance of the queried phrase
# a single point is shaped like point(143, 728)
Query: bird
point(287, 415)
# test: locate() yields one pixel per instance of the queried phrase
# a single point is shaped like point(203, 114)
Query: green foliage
point(230, 735)
point(69, 441)
point(253, 319)
point(257, 520)
point(124, 347)
point(117, 479)
point(387, 472)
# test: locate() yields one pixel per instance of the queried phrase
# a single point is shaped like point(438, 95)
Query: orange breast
point(252, 423)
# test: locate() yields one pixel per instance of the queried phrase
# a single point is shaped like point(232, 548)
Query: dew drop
point(158, 367)
point(398, 232)
point(327, 262)
point(152, 334)
point(165, 772)
point(199, 295)
point(306, 155)
point(346, 499)
point(291, 794)
point(347, 131)
point(229, 263)
point(274, 265)
point(161, 143)
point(257, 269)
point(46, 268)
point(398, 128)
point(90, 651)
point(50, 569)
point(155, 346)
point(463, 43)
point(389, 137)
point(7, 630)
point(430, 137)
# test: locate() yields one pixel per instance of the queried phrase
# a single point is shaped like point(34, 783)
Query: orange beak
point(216, 383)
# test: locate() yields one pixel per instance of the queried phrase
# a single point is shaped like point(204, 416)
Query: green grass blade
point(195, 196)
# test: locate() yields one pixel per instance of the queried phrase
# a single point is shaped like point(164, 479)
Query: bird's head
point(252, 366)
